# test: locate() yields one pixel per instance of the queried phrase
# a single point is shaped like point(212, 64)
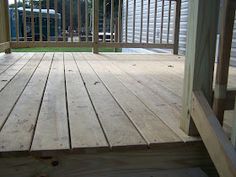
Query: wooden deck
point(82, 101)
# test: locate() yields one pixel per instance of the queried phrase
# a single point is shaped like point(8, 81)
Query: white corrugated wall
point(183, 24)
point(151, 22)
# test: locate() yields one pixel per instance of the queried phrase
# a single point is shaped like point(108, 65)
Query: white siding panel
point(151, 21)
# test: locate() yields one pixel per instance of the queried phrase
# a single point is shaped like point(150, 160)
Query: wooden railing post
point(200, 56)
point(4, 26)
point(224, 60)
point(95, 25)
point(177, 26)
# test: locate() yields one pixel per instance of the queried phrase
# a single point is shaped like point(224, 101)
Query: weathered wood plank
point(150, 126)
point(8, 60)
point(158, 77)
point(155, 85)
point(117, 127)
point(218, 145)
point(14, 89)
point(51, 131)
point(161, 108)
point(17, 133)
point(10, 72)
point(85, 129)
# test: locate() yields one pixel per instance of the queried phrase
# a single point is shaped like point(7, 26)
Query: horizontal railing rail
point(95, 24)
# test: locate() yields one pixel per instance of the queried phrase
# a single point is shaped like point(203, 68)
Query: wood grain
point(52, 126)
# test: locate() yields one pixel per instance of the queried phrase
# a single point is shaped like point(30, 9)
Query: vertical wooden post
point(104, 19)
point(95, 25)
point(24, 21)
point(112, 21)
point(32, 20)
point(40, 22)
point(120, 20)
point(56, 19)
point(224, 60)
point(141, 22)
point(177, 26)
point(4, 24)
point(233, 135)
point(71, 21)
point(64, 20)
point(79, 21)
point(48, 21)
point(162, 19)
point(16, 20)
point(200, 55)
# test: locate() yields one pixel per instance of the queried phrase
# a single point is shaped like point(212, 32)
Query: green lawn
point(62, 49)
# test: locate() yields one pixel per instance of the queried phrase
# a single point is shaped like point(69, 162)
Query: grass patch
point(62, 49)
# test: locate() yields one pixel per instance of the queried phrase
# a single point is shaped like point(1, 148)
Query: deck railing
point(95, 23)
point(199, 116)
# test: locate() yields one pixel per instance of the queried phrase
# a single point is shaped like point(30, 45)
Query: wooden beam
point(200, 54)
point(30, 44)
point(224, 60)
point(95, 25)
point(177, 26)
point(218, 145)
point(4, 26)
point(233, 135)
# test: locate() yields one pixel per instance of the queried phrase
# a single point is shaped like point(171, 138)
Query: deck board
point(85, 129)
point(22, 120)
point(161, 108)
point(7, 75)
point(51, 131)
point(7, 60)
point(147, 123)
point(77, 101)
point(155, 85)
point(11, 93)
point(117, 127)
